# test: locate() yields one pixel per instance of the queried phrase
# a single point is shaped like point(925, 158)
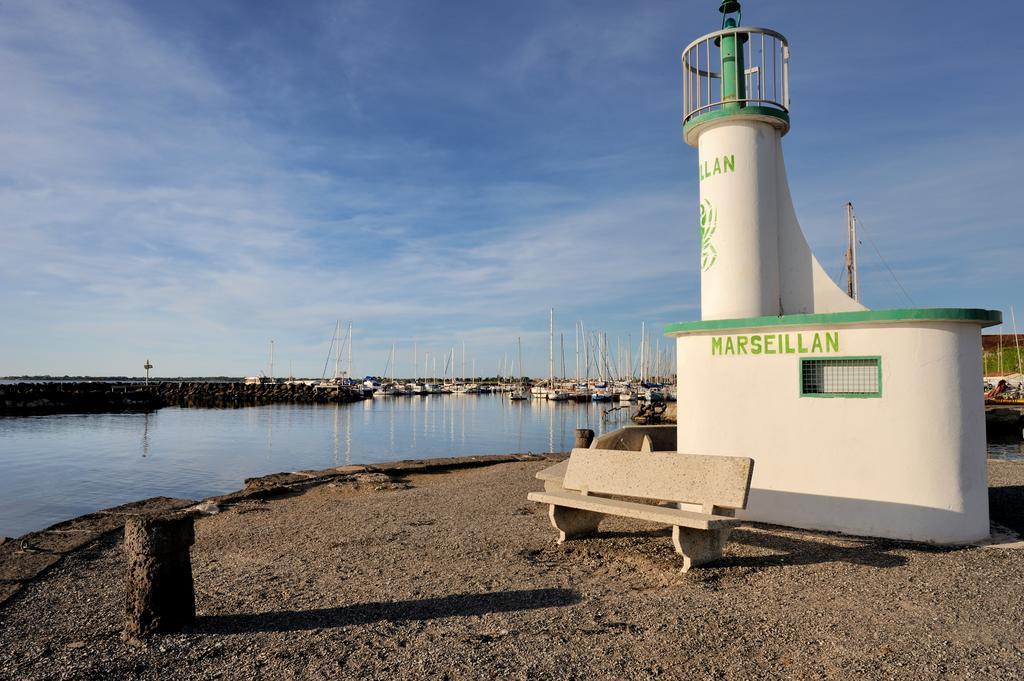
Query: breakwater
point(31, 399)
point(198, 394)
point(1004, 421)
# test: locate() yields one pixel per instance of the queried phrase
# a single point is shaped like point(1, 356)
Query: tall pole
point(852, 288)
point(1016, 338)
point(998, 367)
point(657, 358)
point(586, 350)
point(463, 361)
point(561, 345)
point(643, 351)
point(629, 355)
point(337, 349)
point(350, 350)
point(604, 357)
point(271, 359)
point(618, 358)
point(519, 344)
point(577, 354)
point(551, 349)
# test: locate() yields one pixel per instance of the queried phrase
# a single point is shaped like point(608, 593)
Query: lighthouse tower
point(754, 258)
point(860, 421)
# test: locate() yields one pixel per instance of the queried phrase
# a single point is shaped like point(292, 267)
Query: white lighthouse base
point(868, 423)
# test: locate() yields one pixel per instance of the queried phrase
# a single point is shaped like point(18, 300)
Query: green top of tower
point(730, 7)
point(736, 71)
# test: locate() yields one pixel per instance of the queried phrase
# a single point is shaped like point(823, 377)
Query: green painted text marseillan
point(808, 343)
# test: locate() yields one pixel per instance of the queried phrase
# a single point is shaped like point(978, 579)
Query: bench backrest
point(722, 481)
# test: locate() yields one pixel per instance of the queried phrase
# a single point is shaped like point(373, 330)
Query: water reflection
point(116, 458)
point(1007, 451)
point(145, 435)
point(441, 425)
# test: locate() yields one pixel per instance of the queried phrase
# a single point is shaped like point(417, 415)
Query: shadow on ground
point(1006, 506)
point(457, 605)
point(788, 550)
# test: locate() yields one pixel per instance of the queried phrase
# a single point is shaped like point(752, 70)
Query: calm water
point(58, 467)
point(1006, 451)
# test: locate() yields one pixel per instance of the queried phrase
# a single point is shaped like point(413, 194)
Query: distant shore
point(89, 397)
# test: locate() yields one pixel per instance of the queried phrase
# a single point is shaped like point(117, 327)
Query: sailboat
point(390, 388)
point(518, 392)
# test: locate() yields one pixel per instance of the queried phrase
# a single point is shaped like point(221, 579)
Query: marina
point(61, 466)
point(789, 474)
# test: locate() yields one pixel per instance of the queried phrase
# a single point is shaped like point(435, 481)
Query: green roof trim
point(919, 314)
point(745, 111)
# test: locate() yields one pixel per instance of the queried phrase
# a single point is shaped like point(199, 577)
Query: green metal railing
point(736, 68)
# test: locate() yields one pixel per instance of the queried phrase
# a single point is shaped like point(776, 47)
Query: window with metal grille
point(841, 377)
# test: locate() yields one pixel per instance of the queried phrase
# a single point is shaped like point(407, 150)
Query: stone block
point(160, 594)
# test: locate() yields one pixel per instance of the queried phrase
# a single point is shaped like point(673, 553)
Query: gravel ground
point(456, 575)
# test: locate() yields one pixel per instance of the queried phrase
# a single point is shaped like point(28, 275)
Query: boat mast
point(350, 349)
point(337, 349)
point(271, 359)
point(519, 341)
point(999, 355)
point(618, 358)
point(629, 355)
point(561, 343)
point(551, 349)
point(657, 360)
point(577, 354)
point(643, 351)
point(852, 285)
point(1016, 338)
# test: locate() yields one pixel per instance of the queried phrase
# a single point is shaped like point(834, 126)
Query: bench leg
point(572, 522)
point(698, 547)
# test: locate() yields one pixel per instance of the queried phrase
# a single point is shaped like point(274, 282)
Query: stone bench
point(698, 495)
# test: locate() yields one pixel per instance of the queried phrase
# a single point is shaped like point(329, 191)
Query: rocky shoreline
point(83, 397)
point(26, 558)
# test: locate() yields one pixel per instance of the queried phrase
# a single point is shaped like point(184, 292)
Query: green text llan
point(716, 166)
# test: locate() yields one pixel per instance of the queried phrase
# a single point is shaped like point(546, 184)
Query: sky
point(186, 181)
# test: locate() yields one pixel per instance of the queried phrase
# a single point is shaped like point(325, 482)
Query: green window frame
point(841, 376)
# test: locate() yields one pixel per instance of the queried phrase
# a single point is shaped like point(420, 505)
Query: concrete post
point(584, 436)
point(160, 594)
